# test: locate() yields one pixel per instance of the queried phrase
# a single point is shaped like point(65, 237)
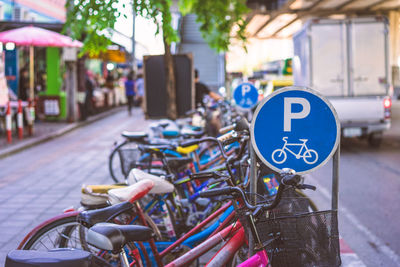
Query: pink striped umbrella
point(33, 36)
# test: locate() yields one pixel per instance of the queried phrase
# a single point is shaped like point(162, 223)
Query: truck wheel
point(375, 139)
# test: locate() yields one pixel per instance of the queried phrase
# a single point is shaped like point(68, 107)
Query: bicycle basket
point(294, 236)
point(307, 240)
point(129, 158)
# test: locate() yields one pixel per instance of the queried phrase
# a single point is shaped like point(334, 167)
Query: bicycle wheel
point(60, 233)
point(312, 207)
point(122, 159)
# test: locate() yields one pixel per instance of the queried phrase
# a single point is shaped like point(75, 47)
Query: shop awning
point(272, 19)
point(112, 55)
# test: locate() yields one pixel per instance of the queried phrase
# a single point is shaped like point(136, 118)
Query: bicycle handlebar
point(237, 192)
point(227, 128)
point(239, 125)
point(217, 192)
point(226, 137)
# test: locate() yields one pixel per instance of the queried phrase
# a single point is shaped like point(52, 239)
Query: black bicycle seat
point(134, 136)
point(91, 217)
point(177, 163)
point(58, 257)
point(163, 124)
point(109, 236)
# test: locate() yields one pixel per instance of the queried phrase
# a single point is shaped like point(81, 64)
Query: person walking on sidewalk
point(139, 84)
point(89, 88)
point(130, 91)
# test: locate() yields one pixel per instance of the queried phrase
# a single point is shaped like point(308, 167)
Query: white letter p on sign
point(245, 89)
point(288, 115)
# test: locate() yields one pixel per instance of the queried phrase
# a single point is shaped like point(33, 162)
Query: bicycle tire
point(111, 163)
point(62, 229)
point(116, 169)
point(312, 204)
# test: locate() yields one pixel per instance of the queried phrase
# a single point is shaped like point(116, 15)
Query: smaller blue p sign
point(245, 95)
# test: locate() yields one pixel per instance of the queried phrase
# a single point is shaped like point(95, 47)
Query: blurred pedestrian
point(139, 89)
point(89, 88)
point(202, 90)
point(23, 92)
point(110, 85)
point(213, 123)
point(130, 91)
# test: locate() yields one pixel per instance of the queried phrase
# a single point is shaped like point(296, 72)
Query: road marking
point(352, 218)
point(351, 260)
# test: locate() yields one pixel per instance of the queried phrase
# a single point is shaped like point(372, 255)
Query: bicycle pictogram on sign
point(310, 156)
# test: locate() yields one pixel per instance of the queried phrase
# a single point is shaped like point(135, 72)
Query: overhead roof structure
point(281, 18)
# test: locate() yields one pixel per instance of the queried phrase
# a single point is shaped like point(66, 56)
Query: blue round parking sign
point(245, 95)
point(295, 128)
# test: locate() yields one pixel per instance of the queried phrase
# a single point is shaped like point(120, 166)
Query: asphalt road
point(40, 182)
point(369, 195)
point(369, 210)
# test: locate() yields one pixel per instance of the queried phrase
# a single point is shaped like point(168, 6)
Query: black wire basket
point(294, 236)
point(129, 158)
point(310, 239)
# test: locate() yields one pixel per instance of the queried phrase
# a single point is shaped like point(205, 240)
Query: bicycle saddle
point(177, 163)
point(192, 133)
point(170, 133)
point(134, 136)
point(90, 217)
point(160, 185)
point(58, 257)
point(130, 193)
point(109, 236)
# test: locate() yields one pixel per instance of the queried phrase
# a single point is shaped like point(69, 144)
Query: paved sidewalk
point(39, 182)
point(44, 131)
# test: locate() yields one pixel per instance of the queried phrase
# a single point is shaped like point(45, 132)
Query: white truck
point(347, 61)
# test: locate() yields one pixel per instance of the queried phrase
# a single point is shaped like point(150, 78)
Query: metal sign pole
point(335, 178)
point(253, 189)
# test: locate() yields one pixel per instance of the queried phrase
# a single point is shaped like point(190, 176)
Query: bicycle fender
point(43, 224)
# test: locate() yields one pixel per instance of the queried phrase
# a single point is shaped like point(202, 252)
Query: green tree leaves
point(93, 20)
point(220, 21)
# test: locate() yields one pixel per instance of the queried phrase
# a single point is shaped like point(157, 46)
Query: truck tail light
point(387, 104)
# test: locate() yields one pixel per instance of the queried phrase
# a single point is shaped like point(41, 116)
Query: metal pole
point(133, 38)
point(253, 189)
point(31, 74)
point(72, 86)
point(335, 178)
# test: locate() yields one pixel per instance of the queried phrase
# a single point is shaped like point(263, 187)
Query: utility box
point(347, 61)
point(155, 98)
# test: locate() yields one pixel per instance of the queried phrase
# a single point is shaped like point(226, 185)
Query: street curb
point(47, 137)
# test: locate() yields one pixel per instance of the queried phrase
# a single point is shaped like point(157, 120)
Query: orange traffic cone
point(8, 123)
point(20, 122)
